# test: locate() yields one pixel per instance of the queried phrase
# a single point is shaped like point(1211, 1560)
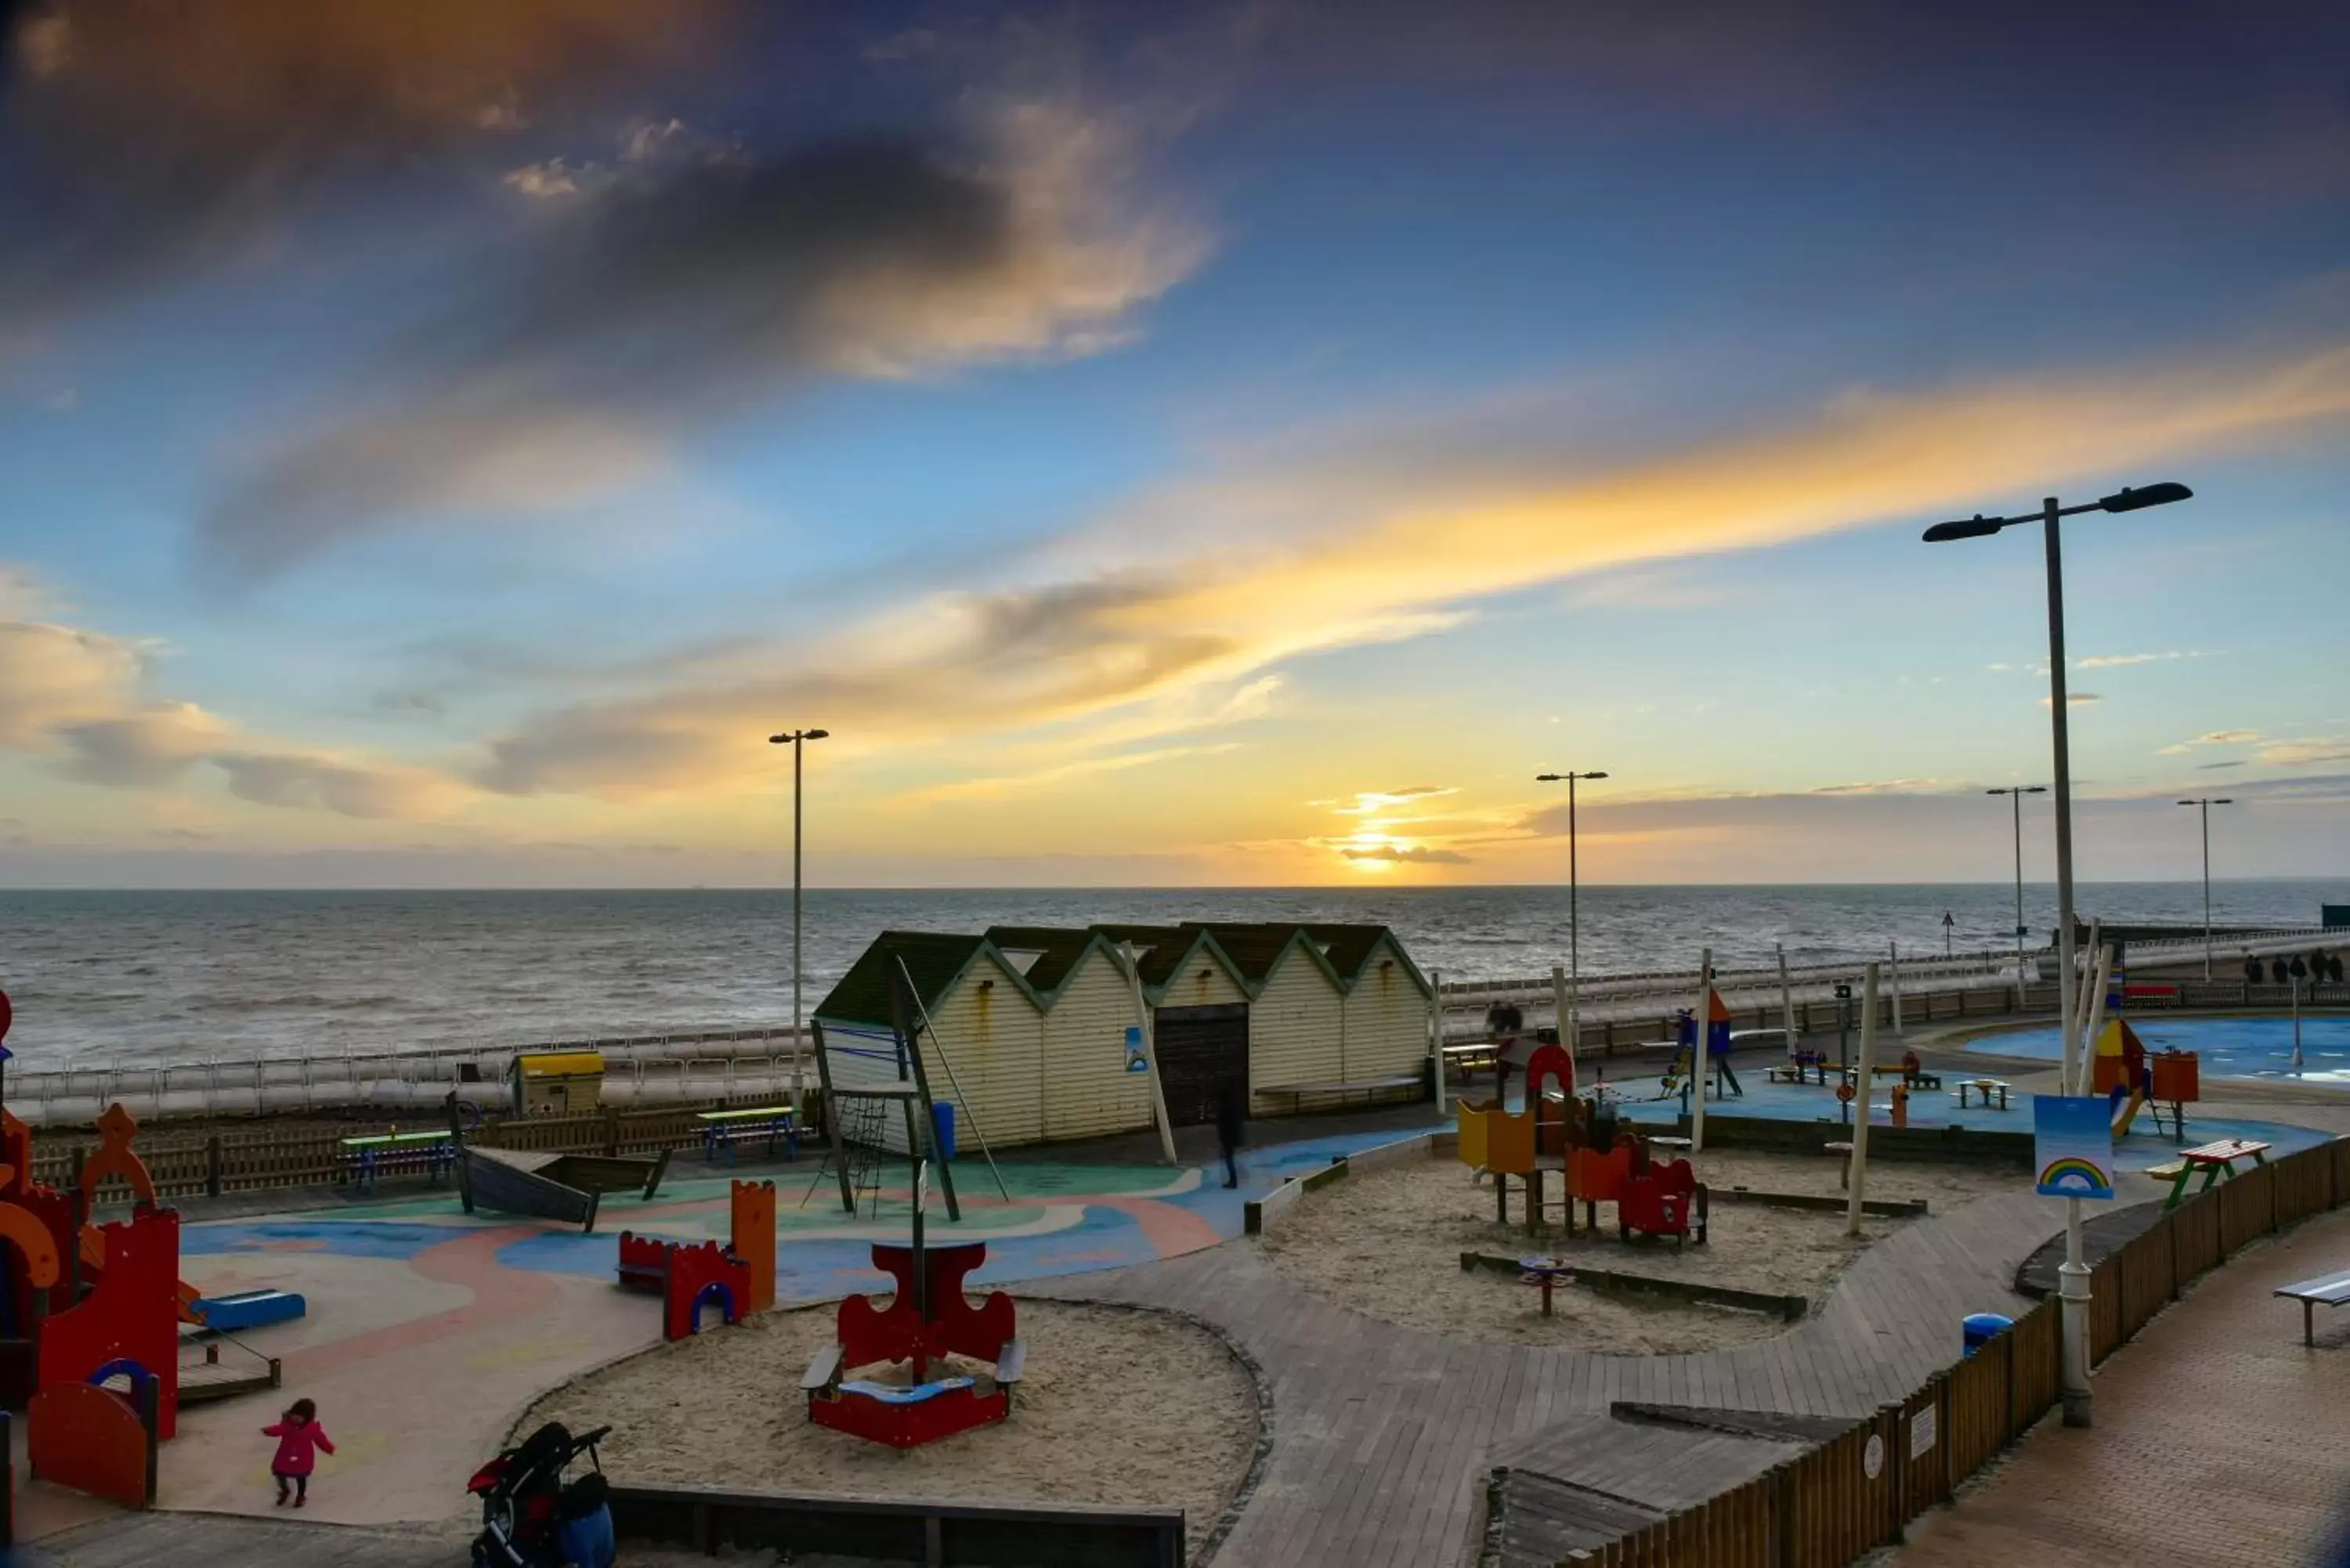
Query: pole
point(2205, 806)
point(2296, 1026)
point(1698, 1063)
point(2016, 795)
point(798, 1071)
point(1568, 1020)
point(1786, 1000)
point(1560, 998)
point(1149, 1053)
point(1436, 1031)
point(1893, 952)
point(1864, 1082)
point(2072, 1275)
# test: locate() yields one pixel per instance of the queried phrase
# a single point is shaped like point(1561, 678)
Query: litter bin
point(942, 1120)
point(1979, 1329)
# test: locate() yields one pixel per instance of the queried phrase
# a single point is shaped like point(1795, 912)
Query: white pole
point(799, 1082)
point(1893, 952)
point(2296, 1026)
point(1864, 1088)
point(1149, 1053)
point(1786, 999)
point(2100, 976)
point(1698, 1062)
point(1436, 1031)
point(1562, 999)
point(2206, 807)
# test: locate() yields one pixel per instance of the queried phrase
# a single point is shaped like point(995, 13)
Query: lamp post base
point(2072, 1292)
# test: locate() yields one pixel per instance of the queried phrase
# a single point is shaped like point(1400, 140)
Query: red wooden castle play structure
point(929, 1318)
point(738, 1277)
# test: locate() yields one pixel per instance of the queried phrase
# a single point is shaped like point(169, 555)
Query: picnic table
point(722, 1130)
point(374, 1155)
point(2326, 1289)
point(1812, 1071)
point(1986, 1088)
point(1668, 1141)
point(2217, 1161)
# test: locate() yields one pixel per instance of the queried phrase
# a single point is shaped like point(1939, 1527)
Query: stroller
point(521, 1491)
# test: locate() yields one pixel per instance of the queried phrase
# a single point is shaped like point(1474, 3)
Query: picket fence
point(1856, 1491)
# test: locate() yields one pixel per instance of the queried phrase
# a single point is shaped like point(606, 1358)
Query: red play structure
point(738, 1277)
point(1664, 1199)
point(926, 1318)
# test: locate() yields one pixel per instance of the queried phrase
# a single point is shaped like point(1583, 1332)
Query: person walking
point(300, 1441)
point(1232, 1120)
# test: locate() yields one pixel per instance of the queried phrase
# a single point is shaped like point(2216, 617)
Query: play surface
point(2259, 1048)
point(429, 1330)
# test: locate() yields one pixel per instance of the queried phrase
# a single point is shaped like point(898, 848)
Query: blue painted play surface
point(2260, 1048)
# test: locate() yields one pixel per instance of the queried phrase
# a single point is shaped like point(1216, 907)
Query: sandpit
point(1118, 1406)
point(1389, 1243)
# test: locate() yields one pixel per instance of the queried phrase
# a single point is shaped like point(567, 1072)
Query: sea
point(155, 977)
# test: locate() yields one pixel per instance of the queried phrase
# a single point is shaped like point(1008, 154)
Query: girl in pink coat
point(299, 1437)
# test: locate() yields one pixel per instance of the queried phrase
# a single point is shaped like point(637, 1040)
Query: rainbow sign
point(2073, 1146)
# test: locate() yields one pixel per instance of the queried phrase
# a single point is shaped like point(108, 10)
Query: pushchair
point(521, 1491)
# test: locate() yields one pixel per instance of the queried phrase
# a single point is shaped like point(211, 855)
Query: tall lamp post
point(2206, 804)
point(1570, 1027)
point(797, 740)
point(2072, 1275)
point(2016, 793)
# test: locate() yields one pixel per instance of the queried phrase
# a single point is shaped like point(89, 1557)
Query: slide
point(2129, 1112)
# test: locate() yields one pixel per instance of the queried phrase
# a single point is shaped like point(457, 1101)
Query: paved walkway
point(2220, 1441)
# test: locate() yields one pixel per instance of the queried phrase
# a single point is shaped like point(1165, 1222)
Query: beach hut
point(555, 1083)
point(1033, 1033)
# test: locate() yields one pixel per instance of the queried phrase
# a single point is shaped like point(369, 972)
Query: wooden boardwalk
point(1382, 1436)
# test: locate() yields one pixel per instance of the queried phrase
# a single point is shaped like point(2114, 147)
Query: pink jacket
point(297, 1442)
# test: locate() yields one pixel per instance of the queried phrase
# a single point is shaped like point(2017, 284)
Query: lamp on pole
point(797, 740)
point(2206, 804)
point(2016, 793)
point(1571, 1022)
point(2072, 1275)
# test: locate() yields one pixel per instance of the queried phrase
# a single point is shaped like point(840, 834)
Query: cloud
point(150, 136)
point(975, 788)
point(2072, 700)
point(689, 289)
point(80, 700)
point(1662, 587)
point(2124, 660)
point(1418, 854)
point(1371, 802)
point(2213, 767)
point(1885, 786)
point(2213, 738)
point(2305, 752)
point(1223, 581)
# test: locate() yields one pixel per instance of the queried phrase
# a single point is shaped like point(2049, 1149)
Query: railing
point(1837, 1502)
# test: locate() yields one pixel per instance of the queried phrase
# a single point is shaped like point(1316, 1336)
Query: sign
point(1871, 1457)
point(1844, 1093)
point(1136, 1060)
point(2073, 1146)
point(1921, 1433)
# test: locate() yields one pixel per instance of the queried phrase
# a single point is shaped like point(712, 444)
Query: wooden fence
point(1857, 1490)
point(311, 1154)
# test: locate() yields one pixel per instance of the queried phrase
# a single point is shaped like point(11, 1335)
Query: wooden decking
point(1383, 1436)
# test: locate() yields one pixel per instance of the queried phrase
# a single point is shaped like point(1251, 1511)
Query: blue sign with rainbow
point(2073, 1146)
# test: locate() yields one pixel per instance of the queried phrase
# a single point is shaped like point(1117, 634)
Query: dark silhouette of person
point(2276, 970)
point(1232, 1120)
point(2253, 971)
point(2334, 968)
point(2297, 968)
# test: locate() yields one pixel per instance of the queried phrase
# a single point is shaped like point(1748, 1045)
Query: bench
point(1297, 1092)
point(1844, 1149)
point(1986, 1088)
point(1472, 1058)
point(722, 1130)
point(376, 1155)
point(2217, 1161)
point(2328, 1290)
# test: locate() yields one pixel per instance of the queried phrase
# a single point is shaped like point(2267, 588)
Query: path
point(2220, 1440)
point(1383, 1434)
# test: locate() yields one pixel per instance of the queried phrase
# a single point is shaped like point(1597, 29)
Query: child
point(299, 1437)
point(583, 1539)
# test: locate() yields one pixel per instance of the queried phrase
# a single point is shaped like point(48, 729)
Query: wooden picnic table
point(2326, 1289)
point(371, 1155)
point(2217, 1161)
point(1987, 1087)
point(722, 1130)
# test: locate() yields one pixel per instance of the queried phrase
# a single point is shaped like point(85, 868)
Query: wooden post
point(1436, 1032)
point(1864, 1085)
point(213, 1166)
point(1893, 956)
point(1701, 1064)
point(1142, 1020)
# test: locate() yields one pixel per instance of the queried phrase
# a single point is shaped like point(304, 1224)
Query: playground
point(1389, 1243)
point(2257, 1049)
point(1115, 1406)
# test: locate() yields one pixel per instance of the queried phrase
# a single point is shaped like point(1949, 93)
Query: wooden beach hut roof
point(934, 961)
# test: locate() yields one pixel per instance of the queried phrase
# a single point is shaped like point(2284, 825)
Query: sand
point(1389, 1243)
point(1118, 1406)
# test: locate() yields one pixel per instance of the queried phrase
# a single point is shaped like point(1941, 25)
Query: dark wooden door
point(1201, 1051)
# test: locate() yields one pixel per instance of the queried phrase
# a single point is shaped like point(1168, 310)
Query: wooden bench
point(1297, 1092)
point(722, 1130)
point(1470, 1058)
point(1986, 1088)
point(2327, 1290)
point(376, 1155)
point(1844, 1149)
point(2217, 1161)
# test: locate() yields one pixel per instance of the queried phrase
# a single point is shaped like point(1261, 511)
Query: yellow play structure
point(2131, 1077)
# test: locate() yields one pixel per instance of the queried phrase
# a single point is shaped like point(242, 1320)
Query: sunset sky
point(1225, 443)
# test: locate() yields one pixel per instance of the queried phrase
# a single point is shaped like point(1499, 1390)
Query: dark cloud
point(1418, 854)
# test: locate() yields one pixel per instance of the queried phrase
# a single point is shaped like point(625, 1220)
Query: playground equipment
point(246, 1309)
point(1597, 1155)
point(566, 1187)
point(738, 1277)
point(1663, 1199)
point(1717, 1048)
point(555, 1083)
point(927, 1317)
point(2131, 1079)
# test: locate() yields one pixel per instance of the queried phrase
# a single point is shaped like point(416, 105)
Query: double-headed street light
point(2072, 1275)
point(797, 740)
point(2206, 804)
point(2017, 793)
point(1569, 1026)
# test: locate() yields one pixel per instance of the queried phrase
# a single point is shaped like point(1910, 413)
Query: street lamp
point(2206, 804)
point(1569, 1028)
point(2072, 1275)
point(797, 740)
point(2018, 792)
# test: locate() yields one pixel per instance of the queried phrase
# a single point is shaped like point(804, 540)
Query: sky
point(1235, 443)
